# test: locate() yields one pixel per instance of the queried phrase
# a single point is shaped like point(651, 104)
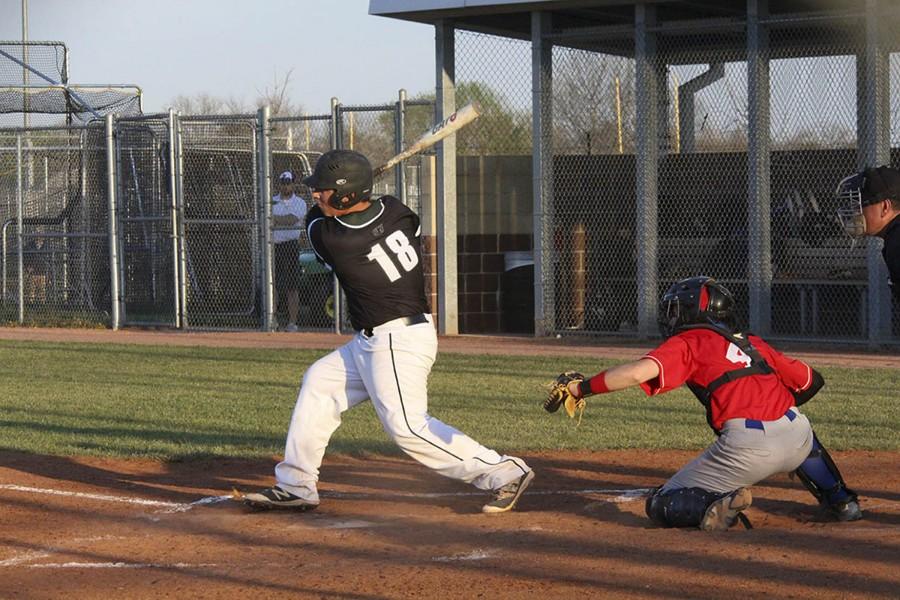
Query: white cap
point(286, 176)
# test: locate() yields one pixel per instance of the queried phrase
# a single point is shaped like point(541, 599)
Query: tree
point(274, 95)
point(500, 129)
point(585, 117)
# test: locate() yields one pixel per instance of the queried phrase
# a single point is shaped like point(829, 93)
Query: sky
point(234, 48)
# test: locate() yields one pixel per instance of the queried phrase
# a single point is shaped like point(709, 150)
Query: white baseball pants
point(391, 368)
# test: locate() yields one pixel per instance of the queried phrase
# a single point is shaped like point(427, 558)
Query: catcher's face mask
point(850, 205)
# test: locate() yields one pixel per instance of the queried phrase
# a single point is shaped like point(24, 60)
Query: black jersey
point(891, 253)
point(378, 262)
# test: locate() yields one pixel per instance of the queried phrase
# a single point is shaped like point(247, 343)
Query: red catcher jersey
point(701, 356)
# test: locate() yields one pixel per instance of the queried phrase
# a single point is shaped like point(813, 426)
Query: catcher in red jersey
point(751, 393)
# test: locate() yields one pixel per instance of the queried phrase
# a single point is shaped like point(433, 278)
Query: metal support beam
point(337, 136)
point(20, 237)
point(542, 174)
point(759, 205)
point(114, 271)
point(181, 232)
point(448, 298)
point(269, 322)
point(399, 134)
point(873, 115)
point(647, 168)
point(172, 179)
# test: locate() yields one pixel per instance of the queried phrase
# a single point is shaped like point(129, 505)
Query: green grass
point(170, 402)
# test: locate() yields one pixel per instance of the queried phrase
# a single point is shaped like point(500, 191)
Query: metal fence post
point(399, 135)
point(20, 207)
point(181, 233)
point(174, 203)
point(445, 105)
point(647, 168)
point(873, 114)
point(759, 213)
point(336, 142)
point(542, 174)
point(265, 221)
point(336, 129)
point(113, 223)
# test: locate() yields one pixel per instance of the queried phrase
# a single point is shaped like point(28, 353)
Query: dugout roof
point(607, 26)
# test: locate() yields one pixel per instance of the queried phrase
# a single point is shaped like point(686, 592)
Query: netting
point(48, 58)
point(75, 102)
point(35, 89)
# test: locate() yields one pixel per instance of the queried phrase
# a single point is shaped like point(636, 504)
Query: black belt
point(406, 321)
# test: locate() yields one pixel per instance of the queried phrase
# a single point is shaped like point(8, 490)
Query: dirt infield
point(388, 528)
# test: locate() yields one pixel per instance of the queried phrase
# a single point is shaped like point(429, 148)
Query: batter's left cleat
point(275, 497)
point(723, 513)
point(506, 497)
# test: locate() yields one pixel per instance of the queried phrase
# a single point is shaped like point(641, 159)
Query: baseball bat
point(451, 124)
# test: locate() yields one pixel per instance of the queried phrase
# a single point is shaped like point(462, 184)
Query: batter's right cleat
point(506, 497)
point(847, 511)
point(723, 513)
point(275, 497)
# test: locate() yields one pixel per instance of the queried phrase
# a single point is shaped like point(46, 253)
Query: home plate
point(473, 555)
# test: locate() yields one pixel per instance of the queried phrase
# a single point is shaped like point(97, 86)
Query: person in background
point(870, 205)
point(288, 214)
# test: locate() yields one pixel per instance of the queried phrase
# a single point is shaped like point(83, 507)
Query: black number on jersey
point(406, 255)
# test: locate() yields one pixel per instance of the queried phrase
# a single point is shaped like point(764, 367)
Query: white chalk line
point(624, 495)
point(118, 565)
point(23, 558)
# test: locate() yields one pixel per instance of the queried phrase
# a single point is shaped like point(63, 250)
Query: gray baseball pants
point(747, 452)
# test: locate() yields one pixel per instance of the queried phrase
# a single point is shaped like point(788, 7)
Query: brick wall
point(481, 266)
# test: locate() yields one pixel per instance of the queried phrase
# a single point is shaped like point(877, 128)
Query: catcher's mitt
point(559, 395)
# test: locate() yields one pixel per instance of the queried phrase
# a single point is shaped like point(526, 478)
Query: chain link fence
point(54, 213)
point(296, 145)
point(221, 221)
point(189, 233)
point(626, 212)
point(494, 186)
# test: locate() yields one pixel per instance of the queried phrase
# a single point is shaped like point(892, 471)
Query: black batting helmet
point(346, 172)
point(696, 301)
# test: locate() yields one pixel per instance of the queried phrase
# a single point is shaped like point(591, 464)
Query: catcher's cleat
point(506, 497)
point(275, 497)
point(724, 512)
point(846, 511)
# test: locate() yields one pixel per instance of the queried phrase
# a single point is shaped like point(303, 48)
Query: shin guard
point(822, 478)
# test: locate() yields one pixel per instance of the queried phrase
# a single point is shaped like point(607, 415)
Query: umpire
point(869, 204)
point(288, 213)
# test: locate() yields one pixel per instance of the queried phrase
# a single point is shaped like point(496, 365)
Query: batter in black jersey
point(376, 254)
point(374, 248)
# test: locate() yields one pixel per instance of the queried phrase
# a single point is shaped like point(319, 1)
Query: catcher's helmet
point(862, 189)
point(346, 172)
point(696, 301)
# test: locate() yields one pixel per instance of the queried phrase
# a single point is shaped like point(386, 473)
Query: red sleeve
point(675, 362)
point(795, 374)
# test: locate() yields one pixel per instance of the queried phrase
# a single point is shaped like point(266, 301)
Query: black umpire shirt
point(891, 253)
point(377, 256)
